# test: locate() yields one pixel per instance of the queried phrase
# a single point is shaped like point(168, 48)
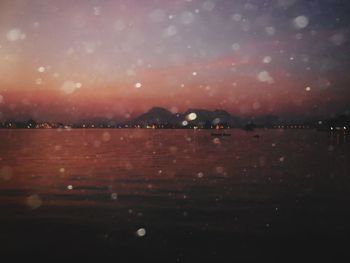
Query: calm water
point(176, 184)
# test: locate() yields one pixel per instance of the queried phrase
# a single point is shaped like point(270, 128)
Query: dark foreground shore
point(304, 231)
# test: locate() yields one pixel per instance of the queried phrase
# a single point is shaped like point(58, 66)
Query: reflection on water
point(149, 171)
point(337, 138)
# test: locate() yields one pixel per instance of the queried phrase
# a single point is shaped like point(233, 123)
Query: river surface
point(182, 195)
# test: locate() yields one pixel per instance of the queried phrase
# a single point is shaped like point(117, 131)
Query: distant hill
point(156, 116)
point(203, 118)
point(206, 118)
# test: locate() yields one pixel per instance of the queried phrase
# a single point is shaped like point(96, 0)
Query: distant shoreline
point(194, 129)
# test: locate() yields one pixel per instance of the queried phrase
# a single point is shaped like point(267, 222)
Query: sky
point(63, 60)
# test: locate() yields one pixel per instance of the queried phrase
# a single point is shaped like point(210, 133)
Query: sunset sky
point(64, 60)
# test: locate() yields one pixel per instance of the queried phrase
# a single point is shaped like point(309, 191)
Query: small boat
point(219, 133)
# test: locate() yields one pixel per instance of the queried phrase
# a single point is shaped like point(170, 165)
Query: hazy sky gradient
point(66, 60)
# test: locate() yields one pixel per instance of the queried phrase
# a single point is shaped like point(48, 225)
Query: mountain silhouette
point(207, 118)
point(203, 118)
point(156, 116)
